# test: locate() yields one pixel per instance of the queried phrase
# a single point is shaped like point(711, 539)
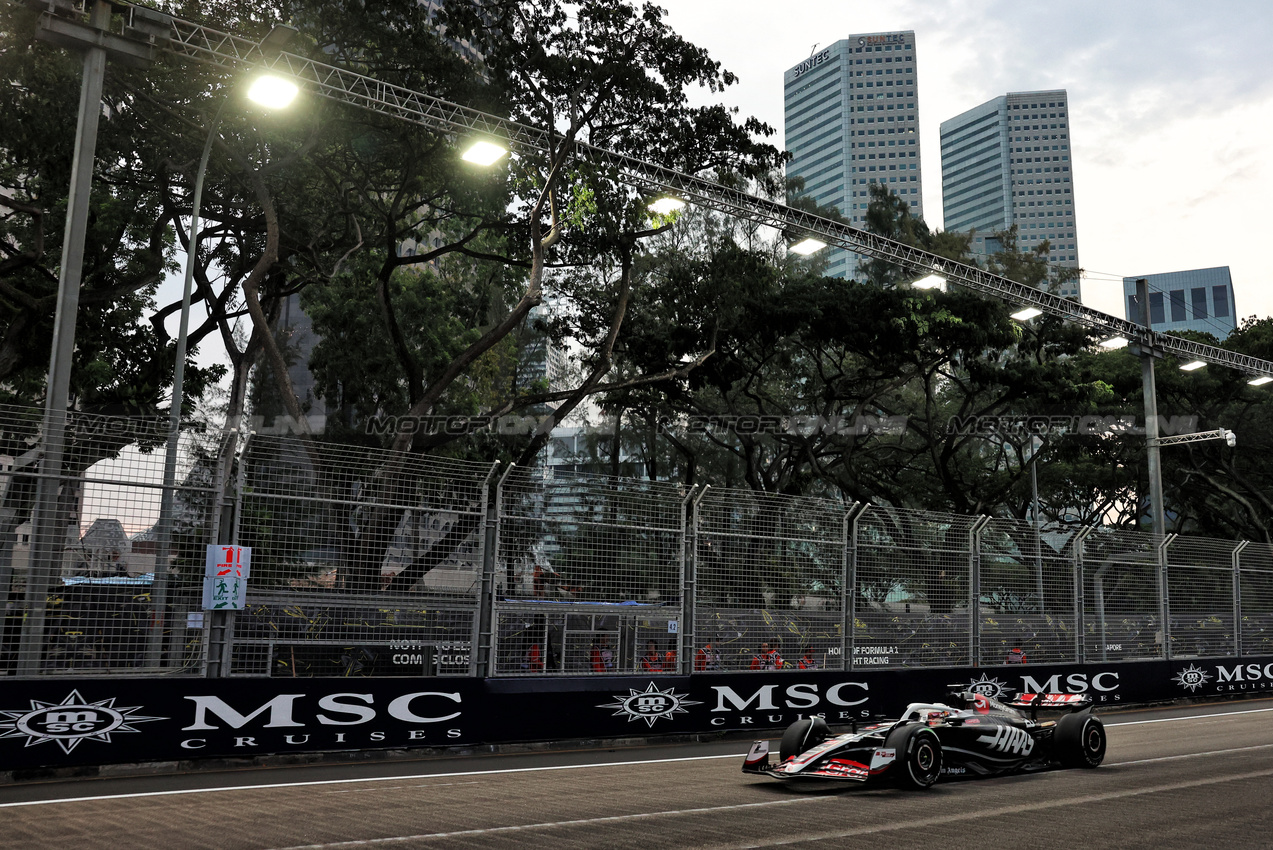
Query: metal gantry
point(231, 52)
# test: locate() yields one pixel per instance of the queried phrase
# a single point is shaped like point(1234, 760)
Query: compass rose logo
point(987, 686)
point(1192, 678)
point(650, 704)
point(70, 721)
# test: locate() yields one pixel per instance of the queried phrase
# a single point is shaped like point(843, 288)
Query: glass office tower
point(852, 119)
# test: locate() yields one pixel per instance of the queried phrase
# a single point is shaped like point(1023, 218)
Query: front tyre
point(919, 756)
point(1080, 740)
point(802, 735)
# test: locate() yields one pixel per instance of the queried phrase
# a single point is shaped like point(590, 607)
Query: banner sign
point(225, 577)
point(63, 722)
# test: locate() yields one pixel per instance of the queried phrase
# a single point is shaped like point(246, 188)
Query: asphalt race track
point(1183, 777)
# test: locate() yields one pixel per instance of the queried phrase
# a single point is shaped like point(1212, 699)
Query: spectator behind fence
point(1016, 655)
point(669, 658)
point(534, 661)
point(767, 659)
point(807, 661)
point(652, 661)
point(601, 657)
point(707, 658)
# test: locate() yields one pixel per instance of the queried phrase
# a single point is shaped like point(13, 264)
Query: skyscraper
point(1008, 162)
point(852, 120)
point(1195, 300)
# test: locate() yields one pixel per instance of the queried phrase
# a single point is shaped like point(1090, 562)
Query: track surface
point(1195, 777)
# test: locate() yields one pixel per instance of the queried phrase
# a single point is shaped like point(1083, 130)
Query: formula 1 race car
point(974, 736)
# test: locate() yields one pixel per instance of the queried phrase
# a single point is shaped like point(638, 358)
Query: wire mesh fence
point(914, 588)
point(1123, 603)
point(588, 573)
point(1255, 593)
point(1027, 600)
point(769, 581)
point(1200, 592)
point(110, 580)
point(370, 563)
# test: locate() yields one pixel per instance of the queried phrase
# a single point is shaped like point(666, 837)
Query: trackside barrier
point(66, 722)
point(373, 564)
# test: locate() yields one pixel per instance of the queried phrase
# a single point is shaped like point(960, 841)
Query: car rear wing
point(1054, 702)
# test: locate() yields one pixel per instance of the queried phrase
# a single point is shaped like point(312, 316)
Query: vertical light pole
point(273, 92)
point(48, 515)
point(1158, 525)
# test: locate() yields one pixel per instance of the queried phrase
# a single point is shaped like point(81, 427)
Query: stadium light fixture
point(484, 152)
point(1114, 342)
point(932, 281)
point(1260, 380)
point(665, 205)
point(1193, 365)
point(807, 246)
point(1027, 314)
point(273, 91)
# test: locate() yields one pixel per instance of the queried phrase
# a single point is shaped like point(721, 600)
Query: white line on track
point(279, 785)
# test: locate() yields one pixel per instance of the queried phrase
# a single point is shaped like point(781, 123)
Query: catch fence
point(371, 563)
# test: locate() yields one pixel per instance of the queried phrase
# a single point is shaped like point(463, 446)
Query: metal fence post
point(689, 579)
point(214, 644)
point(221, 623)
point(974, 589)
point(480, 641)
point(1164, 602)
point(488, 639)
point(1080, 601)
point(848, 603)
point(1237, 595)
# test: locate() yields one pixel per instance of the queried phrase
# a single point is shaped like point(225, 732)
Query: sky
point(1171, 110)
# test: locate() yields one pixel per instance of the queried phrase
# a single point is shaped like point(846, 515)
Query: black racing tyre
point(1080, 740)
point(802, 735)
point(919, 756)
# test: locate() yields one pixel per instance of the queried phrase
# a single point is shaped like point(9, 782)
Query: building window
point(1177, 305)
point(1156, 315)
point(1220, 300)
point(1199, 297)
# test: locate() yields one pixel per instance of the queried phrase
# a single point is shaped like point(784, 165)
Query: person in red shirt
point(774, 660)
point(707, 658)
point(602, 656)
point(767, 658)
point(669, 658)
point(652, 661)
point(534, 659)
point(806, 661)
point(1016, 655)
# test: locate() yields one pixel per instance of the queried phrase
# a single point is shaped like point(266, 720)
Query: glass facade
point(1008, 162)
point(1198, 300)
point(852, 120)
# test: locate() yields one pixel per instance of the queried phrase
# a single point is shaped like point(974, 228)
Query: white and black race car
point(974, 735)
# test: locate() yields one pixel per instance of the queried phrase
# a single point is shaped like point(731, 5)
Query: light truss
point(230, 52)
point(1199, 437)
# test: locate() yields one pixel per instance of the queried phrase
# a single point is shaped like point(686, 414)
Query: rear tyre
point(1080, 740)
point(802, 735)
point(919, 756)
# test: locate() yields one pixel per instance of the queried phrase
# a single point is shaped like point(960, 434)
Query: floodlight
point(1260, 381)
point(808, 246)
point(665, 205)
point(1114, 342)
point(933, 281)
point(1190, 367)
point(1027, 314)
point(484, 152)
point(273, 91)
